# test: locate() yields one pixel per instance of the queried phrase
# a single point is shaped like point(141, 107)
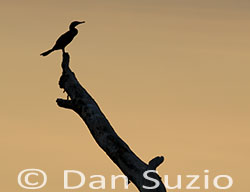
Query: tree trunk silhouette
point(105, 136)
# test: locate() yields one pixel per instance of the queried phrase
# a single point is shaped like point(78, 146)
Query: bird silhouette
point(65, 38)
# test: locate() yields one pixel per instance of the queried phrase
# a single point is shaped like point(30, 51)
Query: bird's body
point(65, 38)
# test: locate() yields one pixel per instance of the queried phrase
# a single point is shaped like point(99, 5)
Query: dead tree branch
point(105, 136)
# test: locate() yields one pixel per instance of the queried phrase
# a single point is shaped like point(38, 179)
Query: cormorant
point(65, 38)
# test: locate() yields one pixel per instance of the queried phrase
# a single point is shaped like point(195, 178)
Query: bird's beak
point(82, 22)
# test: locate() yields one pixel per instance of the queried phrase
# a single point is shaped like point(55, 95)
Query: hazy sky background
point(172, 77)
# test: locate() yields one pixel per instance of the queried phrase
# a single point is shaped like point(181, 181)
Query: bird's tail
point(47, 52)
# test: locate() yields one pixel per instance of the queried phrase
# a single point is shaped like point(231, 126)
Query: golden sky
point(172, 77)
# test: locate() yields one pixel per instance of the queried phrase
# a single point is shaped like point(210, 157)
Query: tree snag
point(105, 136)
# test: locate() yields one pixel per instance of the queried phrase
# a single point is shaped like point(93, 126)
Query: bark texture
point(105, 136)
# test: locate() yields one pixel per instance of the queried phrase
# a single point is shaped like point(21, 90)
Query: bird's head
point(75, 23)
